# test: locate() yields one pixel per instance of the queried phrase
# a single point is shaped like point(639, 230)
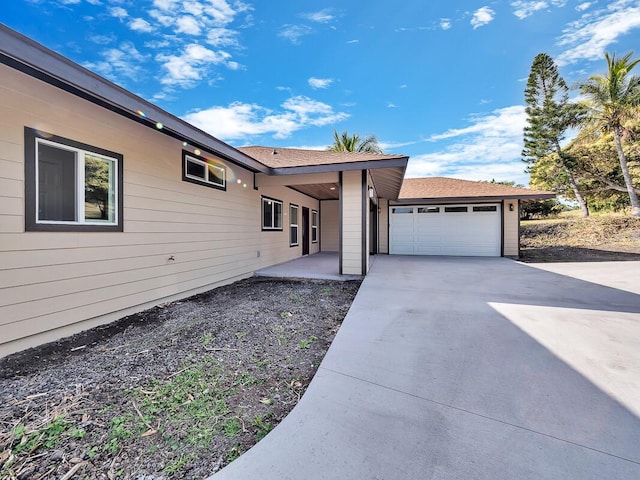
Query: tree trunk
point(576, 192)
point(633, 197)
point(572, 181)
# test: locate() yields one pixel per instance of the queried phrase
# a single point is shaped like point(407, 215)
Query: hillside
point(598, 238)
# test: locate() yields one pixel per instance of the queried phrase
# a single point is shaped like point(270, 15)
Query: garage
point(456, 229)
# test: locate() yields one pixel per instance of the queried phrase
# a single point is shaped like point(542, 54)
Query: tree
point(549, 116)
point(353, 143)
point(613, 99)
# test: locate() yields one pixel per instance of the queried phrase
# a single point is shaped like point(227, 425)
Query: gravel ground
point(177, 391)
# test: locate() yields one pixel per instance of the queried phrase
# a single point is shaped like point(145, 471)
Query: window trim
point(205, 162)
point(292, 225)
point(314, 226)
point(31, 139)
point(271, 229)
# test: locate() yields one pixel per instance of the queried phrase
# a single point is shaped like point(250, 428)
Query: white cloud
point(140, 25)
point(525, 8)
point(294, 33)
point(321, 16)
point(588, 37)
point(182, 28)
point(222, 37)
point(445, 23)
point(481, 17)
point(188, 24)
point(165, 5)
point(353, 41)
point(118, 12)
point(583, 6)
point(190, 67)
point(488, 148)
point(391, 105)
point(320, 82)
point(123, 62)
point(242, 120)
point(103, 39)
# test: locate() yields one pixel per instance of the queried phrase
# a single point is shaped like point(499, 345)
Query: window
point(402, 210)
point(428, 209)
point(455, 209)
point(203, 171)
point(293, 225)
point(485, 208)
point(271, 214)
point(314, 226)
point(71, 186)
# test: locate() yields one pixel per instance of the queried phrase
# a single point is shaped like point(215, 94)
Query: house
point(110, 205)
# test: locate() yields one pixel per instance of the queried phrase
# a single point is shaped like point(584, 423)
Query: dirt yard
point(598, 238)
point(178, 391)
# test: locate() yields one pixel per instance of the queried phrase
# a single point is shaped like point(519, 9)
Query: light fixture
point(511, 207)
point(370, 192)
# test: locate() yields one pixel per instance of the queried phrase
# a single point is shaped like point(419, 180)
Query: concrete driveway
point(471, 368)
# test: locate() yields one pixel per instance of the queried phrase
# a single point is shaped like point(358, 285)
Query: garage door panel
point(459, 230)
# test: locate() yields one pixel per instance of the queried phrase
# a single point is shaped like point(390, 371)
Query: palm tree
point(353, 143)
point(613, 99)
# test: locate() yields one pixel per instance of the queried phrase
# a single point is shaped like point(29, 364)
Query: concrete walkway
point(471, 368)
point(317, 266)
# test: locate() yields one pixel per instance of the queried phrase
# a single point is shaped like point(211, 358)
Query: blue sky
point(439, 81)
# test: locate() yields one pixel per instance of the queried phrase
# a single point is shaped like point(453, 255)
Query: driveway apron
point(471, 368)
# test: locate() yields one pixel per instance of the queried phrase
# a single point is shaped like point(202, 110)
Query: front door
point(305, 231)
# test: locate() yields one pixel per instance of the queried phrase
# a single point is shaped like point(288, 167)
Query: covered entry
point(463, 230)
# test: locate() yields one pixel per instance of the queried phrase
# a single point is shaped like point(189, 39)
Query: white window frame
point(294, 226)
point(314, 226)
point(276, 220)
point(208, 180)
point(79, 184)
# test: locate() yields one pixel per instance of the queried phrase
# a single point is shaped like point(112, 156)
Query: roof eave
point(25, 55)
point(485, 198)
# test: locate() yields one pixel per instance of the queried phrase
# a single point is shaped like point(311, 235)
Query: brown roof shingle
point(453, 188)
point(276, 157)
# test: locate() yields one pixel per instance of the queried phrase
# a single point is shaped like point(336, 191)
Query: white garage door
point(465, 230)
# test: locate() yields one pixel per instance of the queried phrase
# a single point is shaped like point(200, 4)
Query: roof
point(450, 189)
point(387, 171)
point(32, 58)
point(276, 157)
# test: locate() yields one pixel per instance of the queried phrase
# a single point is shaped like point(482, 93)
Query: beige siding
point(352, 223)
point(511, 228)
point(274, 246)
point(330, 225)
point(57, 283)
point(383, 233)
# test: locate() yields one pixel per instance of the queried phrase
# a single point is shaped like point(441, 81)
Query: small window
point(402, 210)
point(71, 186)
point(271, 214)
point(455, 209)
point(314, 226)
point(485, 208)
point(293, 225)
point(203, 171)
point(428, 209)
